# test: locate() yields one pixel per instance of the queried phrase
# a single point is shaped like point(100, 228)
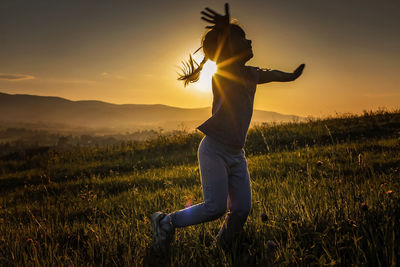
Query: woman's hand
point(266, 76)
point(220, 22)
point(297, 72)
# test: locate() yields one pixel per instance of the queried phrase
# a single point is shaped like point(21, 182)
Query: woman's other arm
point(266, 76)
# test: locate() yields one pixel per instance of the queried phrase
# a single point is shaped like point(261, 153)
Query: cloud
point(68, 81)
point(112, 76)
point(15, 77)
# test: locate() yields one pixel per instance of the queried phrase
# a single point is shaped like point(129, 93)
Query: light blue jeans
point(226, 184)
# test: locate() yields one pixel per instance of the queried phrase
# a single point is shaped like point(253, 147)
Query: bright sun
point(204, 82)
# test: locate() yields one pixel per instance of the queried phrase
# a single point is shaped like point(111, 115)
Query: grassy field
point(325, 192)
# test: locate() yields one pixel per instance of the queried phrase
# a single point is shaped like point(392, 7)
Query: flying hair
point(191, 70)
point(214, 48)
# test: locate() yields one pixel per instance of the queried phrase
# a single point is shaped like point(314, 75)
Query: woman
point(223, 166)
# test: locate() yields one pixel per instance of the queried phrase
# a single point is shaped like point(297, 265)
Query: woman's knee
point(243, 210)
point(216, 209)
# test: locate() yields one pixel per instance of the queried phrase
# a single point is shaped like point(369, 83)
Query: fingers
point(208, 15)
point(212, 11)
point(213, 17)
point(226, 9)
point(208, 20)
point(298, 71)
point(300, 68)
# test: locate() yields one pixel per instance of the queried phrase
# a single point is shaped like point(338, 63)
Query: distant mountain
point(17, 108)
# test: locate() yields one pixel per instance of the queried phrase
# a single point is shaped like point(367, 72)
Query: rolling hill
point(18, 108)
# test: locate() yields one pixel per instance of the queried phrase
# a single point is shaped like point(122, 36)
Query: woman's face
point(241, 46)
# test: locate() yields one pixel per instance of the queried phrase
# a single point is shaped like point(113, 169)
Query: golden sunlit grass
point(316, 201)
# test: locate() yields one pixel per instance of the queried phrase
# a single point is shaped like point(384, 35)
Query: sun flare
point(204, 82)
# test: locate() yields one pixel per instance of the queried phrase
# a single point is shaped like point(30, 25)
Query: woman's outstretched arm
point(266, 76)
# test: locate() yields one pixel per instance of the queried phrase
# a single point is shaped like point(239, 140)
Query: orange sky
point(128, 52)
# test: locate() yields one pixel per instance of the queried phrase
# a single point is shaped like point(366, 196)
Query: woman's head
point(224, 49)
point(219, 47)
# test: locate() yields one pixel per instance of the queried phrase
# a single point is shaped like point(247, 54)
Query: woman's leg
point(239, 202)
point(214, 180)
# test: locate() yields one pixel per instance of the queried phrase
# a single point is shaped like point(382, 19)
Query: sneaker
point(161, 238)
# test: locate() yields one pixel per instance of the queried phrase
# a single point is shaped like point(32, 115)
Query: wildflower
point(364, 206)
point(264, 217)
point(389, 192)
point(188, 203)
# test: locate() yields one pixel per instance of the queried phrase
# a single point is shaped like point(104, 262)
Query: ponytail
point(191, 70)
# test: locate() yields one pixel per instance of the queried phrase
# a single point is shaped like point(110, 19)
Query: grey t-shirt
point(232, 108)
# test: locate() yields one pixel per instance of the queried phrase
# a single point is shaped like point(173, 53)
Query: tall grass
point(325, 192)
